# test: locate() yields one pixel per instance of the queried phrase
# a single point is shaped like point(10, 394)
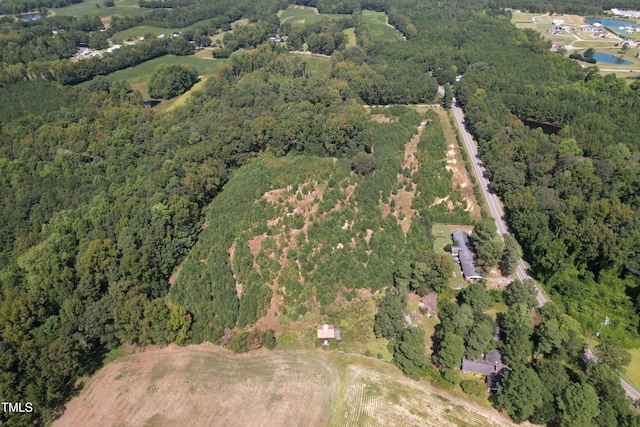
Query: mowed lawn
point(142, 73)
point(122, 8)
point(298, 16)
point(379, 31)
point(632, 374)
point(205, 385)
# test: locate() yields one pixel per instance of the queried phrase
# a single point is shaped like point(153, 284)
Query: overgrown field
point(376, 23)
point(376, 398)
point(290, 235)
point(298, 16)
point(203, 385)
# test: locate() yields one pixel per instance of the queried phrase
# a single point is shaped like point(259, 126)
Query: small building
point(557, 21)
point(461, 252)
point(328, 332)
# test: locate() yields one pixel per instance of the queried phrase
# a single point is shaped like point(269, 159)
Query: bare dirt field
point(205, 386)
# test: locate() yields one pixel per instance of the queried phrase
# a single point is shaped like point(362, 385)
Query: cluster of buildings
point(628, 13)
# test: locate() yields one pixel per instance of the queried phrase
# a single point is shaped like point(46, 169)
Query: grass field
point(632, 374)
point(376, 23)
point(122, 8)
point(351, 36)
point(204, 385)
point(142, 73)
point(298, 16)
point(138, 76)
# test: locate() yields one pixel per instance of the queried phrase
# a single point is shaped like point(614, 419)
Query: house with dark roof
point(491, 366)
point(462, 253)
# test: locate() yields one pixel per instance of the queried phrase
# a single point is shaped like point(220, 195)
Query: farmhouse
point(461, 253)
point(630, 41)
point(328, 332)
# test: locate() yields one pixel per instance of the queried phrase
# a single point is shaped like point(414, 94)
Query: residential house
point(491, 366)
point(461, 252)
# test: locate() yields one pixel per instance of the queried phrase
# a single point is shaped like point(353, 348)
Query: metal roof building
point(462, 251)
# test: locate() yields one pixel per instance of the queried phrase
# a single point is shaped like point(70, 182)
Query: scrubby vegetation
point(102, 200)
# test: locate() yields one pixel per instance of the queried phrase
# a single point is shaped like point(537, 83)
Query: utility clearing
point(205, 385)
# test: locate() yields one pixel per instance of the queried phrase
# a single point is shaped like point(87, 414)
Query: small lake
point(30, 16)
point(613, 24)
point(610, 59)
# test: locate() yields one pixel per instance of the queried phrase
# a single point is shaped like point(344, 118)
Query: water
point(30, 16)
point(610, 59)
point(613, 24)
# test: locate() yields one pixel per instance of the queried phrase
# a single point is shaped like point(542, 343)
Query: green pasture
point(595, 43)
point(122, 8)
point(379, 31)
point(141, 73)
point(298, 16)
point(632, 374)
point(522, 17)
point(318, 65)
point(351, 36)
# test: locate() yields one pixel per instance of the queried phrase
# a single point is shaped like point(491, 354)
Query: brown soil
point(381, 118)
point(404, 199)
point(204, 385)
point(456, 165)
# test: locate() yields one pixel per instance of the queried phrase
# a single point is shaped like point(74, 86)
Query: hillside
point(289, 235)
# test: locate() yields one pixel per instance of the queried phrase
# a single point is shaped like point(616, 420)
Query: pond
point(30, 16)
point(610, 59)
point(613, 24)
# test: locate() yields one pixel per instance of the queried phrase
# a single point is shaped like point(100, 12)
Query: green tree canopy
point(169, 81)
point(409, 352)
point(520, 393)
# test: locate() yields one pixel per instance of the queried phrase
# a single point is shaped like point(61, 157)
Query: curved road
point(498, 214)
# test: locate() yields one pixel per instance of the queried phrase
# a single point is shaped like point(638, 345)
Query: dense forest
point(102, 199)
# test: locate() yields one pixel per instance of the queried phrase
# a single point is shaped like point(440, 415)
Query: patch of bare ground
point(404, 197)
point(232, 253)
point(206, 386)
point(456, 165)
point(381, 118)
point(496, 280)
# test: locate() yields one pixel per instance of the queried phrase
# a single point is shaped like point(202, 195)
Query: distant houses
point(328, 332)
point(461, 252)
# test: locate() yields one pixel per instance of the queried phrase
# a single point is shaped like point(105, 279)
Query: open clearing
point(122, 8)
point(379, 29)
point(204, 385)
point(632, 374)
point(298, 16)
point(142, 73)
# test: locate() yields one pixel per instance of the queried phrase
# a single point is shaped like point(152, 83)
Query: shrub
point(363, 163)
point(472, 387)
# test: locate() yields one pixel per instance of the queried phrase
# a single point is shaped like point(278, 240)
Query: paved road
point(498, 215)
point(490, 197)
